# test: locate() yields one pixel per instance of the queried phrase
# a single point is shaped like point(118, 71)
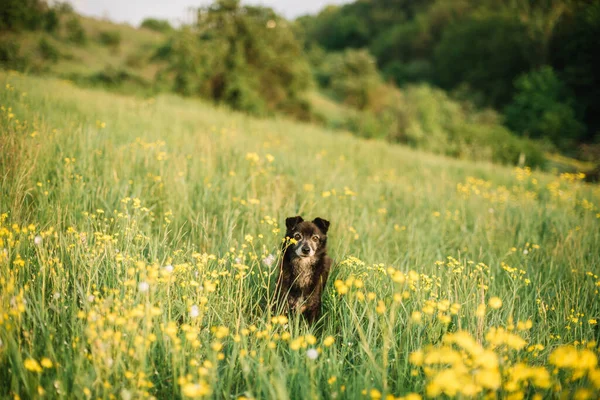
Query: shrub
point(246, 57)
point(48, 51)
point(354, 77)
point(426, 118)
point(75, 31)
point(21, 14)
point(159, 25)
point(51, 21)
point(110, 38)
point(10, 55)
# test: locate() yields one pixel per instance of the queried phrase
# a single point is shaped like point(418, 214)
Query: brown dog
point(304, 267)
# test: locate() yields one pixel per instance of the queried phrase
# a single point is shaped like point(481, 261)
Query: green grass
point(100, 192)
point(82, 62)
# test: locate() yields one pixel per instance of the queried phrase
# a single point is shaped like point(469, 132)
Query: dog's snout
point(305, 249)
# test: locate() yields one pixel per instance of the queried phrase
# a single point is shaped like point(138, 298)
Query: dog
point(304, 267)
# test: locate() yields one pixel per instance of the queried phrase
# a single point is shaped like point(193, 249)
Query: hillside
point(125, 66)
point(136, 236)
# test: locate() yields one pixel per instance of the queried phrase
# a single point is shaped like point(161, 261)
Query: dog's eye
point(297, 236)
point(315, 238)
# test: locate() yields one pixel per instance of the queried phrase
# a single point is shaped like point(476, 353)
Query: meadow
point(139, 241)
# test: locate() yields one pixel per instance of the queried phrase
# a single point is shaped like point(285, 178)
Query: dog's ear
point(291, 222)
point(322, 224)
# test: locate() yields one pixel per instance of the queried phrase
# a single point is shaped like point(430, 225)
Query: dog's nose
point(305, 249)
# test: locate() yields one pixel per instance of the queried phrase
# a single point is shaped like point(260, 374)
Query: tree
point(247, 57)
point(542, 108)
point(21, 14)
point(484, 52)
point(355, 77)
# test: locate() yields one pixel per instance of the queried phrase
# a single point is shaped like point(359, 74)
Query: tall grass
point(135, 242)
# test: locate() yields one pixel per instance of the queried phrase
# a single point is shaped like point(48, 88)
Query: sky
point(134, 11)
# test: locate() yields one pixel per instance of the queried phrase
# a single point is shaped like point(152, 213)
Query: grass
point(81, 62)
point(133, 242)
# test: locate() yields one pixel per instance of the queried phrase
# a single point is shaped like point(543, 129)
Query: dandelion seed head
point(312, 354)
point(194, 311)
point(143, 286)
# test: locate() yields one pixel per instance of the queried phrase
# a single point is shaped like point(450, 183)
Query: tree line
point(500, 80)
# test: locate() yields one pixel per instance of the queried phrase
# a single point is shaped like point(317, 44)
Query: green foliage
point(16, 15)
point(75, 31)
point(575, 57)
point(113, 77)
point(475, 49)
point(409, 72)
point(246, 57)
point(51, 21)
point(10, 55)
point(110, 39)
point(354, 77)
point(486, 53)
point(158, 25)
point(430, 120)
point(47, 50)
point(542, 108)
point(427, 118)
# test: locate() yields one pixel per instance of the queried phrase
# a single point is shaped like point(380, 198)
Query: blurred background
point(506, 81)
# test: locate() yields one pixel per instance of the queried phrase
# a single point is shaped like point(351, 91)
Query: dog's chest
point(303, 271)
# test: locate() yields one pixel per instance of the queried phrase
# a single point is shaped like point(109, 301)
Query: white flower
point(125, 394)
point(56, 295)
point(37, 240)
point(312, 354)
point(194, 311)
point(238, 260)
point(168, 268)
point(269, 260)
point(143, 286)
point(525, 251)
point(91, 298)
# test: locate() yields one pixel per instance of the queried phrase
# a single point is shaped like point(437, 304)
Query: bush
point(10, 55)
point(354, 77)
point(542, 107)
point(110, 38)
point(426, 118)
point(158, 25)
point(51, 21)
point(75, 31)
point(246, 57)
point(21, 14)
point(48, 51)
point(409, 72)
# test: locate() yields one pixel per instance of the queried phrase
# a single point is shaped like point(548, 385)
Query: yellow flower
point(495, 303)
point(329, 340)
point(32, 365)
point(375, 394)
point(196, 389)
point(380, 307)
point(46, 363)
point(416, 317)
point(416, 358)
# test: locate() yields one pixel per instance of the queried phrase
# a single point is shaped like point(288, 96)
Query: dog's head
point(310, 237)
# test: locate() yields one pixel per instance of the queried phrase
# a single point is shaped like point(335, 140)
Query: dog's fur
point(304, 268)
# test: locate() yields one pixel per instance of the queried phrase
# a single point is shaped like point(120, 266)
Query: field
point(137, 240)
